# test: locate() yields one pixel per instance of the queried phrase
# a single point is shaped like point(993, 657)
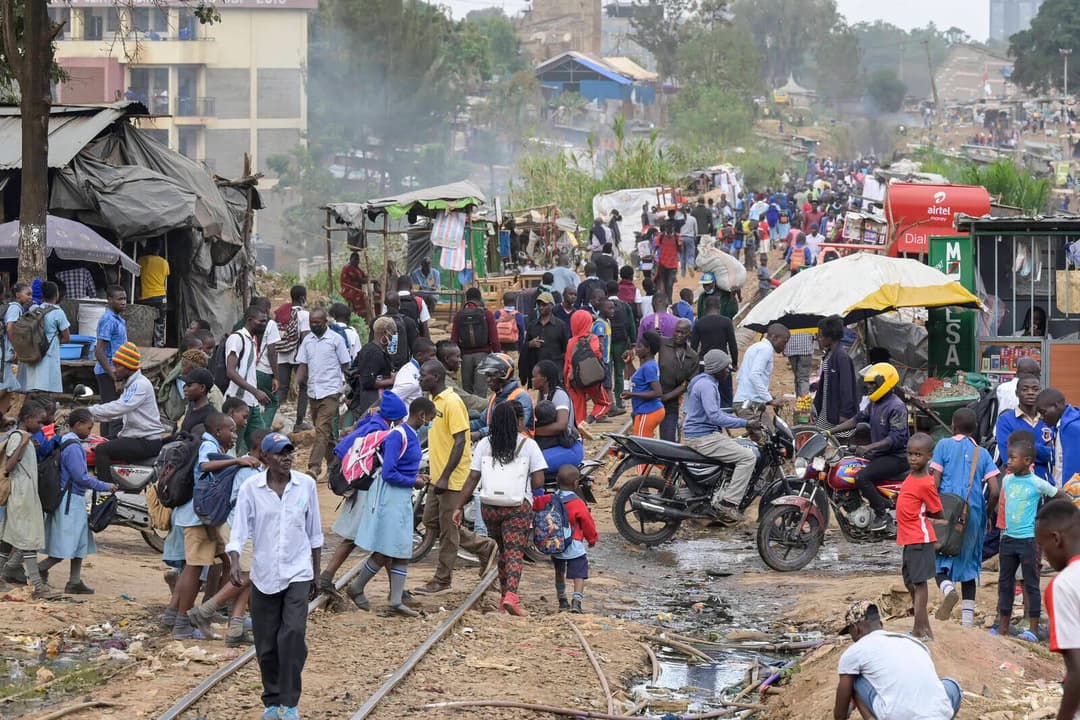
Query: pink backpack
point(364, 458)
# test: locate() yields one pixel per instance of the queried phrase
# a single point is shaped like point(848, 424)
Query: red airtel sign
point(917, 212)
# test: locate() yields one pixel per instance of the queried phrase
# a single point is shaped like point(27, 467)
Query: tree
point(704, 115)
point(659, 27)
point(502, 40)
point(1039, 65)
point(720, 56)
point(785, 31)
point(886, 91)
point(838, 59)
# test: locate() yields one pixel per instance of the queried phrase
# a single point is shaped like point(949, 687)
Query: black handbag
point(102, 511)
point(950, 528)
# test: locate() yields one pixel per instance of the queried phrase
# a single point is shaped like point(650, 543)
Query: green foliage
point(837, 60)
point(886, 90)
point(785, 31)
point(708, 115)
point(1039, 65)
point(662, 26)
point(503, 46)
point(760, 167)
point(723, 57)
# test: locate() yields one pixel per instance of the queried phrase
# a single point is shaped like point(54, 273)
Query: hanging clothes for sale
point(449, 229)
point(504, 243)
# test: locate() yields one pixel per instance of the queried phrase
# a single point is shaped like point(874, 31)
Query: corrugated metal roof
point(1021, 224)
point(629, 68)
point(595, 64)
point(71, 128)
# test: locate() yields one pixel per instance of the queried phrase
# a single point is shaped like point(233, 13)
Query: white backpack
point(505, 485)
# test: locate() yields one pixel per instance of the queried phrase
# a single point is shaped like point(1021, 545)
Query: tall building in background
point(552, 27)
point(228, 88)
point(1008, 17)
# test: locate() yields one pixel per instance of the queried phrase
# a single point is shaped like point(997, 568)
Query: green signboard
point(951, 341)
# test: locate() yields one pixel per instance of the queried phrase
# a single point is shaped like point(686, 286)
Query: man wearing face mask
point(323, 359)
point(371, 370)
point(241, 357)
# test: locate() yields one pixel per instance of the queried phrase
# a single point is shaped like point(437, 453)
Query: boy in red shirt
point(572, 563)
point(918, 500)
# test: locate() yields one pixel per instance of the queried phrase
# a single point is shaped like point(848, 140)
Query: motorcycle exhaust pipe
point(645, 506)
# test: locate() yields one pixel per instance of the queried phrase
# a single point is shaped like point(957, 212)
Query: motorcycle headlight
point(800, 466)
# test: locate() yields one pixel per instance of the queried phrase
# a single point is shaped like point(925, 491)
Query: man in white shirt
point(279, 510)
point(241, 355)
point(286, 361)
point(266, 365)
point(1057, 530)
point(755, 370)
point(407, 379)
point(322, 359)
point(889, 676)
point(814, 238)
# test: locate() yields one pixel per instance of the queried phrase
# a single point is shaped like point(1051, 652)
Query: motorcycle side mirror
point(82, 394)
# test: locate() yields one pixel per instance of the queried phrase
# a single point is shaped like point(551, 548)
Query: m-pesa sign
point(917, 212)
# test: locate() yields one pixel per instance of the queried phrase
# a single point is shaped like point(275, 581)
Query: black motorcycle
point(678, 483)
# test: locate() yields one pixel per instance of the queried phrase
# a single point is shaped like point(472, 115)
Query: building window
point(188, 27)
point(100, 22)
point(158, 136)
point(153, 22)
point(61, 15)
point(188, 142)
point(150, 86)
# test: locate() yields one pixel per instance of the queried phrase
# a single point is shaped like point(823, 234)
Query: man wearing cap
point(729, 300)
point(546, 337)
point(140, 433)
point(889, 676)
point(703, 430)
point(279, 511)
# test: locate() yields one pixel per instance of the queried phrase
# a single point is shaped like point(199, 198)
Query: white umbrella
point(856, 287)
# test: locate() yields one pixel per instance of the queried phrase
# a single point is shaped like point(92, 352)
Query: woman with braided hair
point(507, 449)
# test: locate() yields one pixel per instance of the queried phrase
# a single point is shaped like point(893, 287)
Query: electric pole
point(933, 83)
point(1065, 53)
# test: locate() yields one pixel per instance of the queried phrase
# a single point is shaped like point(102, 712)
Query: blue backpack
point(551, 527)
point(213, 492)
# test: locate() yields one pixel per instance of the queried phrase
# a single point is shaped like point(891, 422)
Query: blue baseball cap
point(276, 443)
point(708, 279)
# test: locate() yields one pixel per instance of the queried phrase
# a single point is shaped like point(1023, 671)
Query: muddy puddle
point(689, 587)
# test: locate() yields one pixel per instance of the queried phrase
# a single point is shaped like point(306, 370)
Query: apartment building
point(221, 90)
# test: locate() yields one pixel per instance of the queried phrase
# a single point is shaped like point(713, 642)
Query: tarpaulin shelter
point(354, 218)
point(109, 175)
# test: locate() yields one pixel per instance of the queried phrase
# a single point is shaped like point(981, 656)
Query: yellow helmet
point(880, 379)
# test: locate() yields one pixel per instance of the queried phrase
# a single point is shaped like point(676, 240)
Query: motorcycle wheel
point(649, 530)
point(150, 535)
point(780, 533)
point(790, 486)
point(422, 543)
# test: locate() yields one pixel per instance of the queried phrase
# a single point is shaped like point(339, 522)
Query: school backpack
point(506, 324)
point(586, 370)
point(409, 305)
point(505, 485)
point(289, 325)
point(365, 458)
point(798, 259)
point(28, 338)
point(49, 491)
point(212, 492)
point(551, 527)
point(217, 367)
point(175, 470)
point(472, 329)
point(340, 330)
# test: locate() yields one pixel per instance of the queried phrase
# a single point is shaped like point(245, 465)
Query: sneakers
point(489, 557)
point(78, 588)
point(290, 713)
point(947, 604)
point(432, 587)
point(1029, 636)
point(15, 576)
point(575, 607)
point(564, 604)
point(511, 604)
point(47, 592)
point(880, 522)
point(616, 411)
point(273, 712)
point(202, 620)
point(726, 514)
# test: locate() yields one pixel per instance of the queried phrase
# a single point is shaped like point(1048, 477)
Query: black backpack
point(409, 308)
point(175, 470)
point(586, 370)
point(472, 329)
point(49, 491)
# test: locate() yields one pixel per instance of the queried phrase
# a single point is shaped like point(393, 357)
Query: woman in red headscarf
point(581, 323)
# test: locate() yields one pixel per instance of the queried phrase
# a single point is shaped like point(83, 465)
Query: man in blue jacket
point(1026, 417)
point(1062, 434)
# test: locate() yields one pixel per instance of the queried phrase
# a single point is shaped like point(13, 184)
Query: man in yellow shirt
point(153, 273)
point(450, 453)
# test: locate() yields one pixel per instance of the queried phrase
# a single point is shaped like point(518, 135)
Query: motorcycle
point(131, 478)
point(649, 508)
point(423, 541)
point(824, 478)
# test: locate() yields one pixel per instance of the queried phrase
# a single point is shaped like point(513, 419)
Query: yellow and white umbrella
point(855, 287)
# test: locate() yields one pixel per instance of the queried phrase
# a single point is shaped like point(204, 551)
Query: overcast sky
point(972, 16)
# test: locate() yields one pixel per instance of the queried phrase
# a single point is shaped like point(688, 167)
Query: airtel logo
point(936, 210)
point(939, 197)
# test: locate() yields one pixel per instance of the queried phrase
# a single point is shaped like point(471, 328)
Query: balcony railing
point(195, 107)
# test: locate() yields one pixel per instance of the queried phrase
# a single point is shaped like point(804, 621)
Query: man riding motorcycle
point(499, 370)
point(703, 430)
point(887, 451)
point(140, 437)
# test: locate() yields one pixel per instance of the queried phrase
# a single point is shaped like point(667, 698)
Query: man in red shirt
point(1057, 530)
point(669, 242)
point(918, 500)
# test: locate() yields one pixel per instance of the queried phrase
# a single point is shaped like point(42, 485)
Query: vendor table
point(155, 364)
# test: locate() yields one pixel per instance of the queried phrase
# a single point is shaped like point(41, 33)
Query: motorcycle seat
point(893, 480)
point(669, 450)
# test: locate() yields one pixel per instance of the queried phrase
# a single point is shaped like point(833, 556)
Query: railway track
point(201, 692)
